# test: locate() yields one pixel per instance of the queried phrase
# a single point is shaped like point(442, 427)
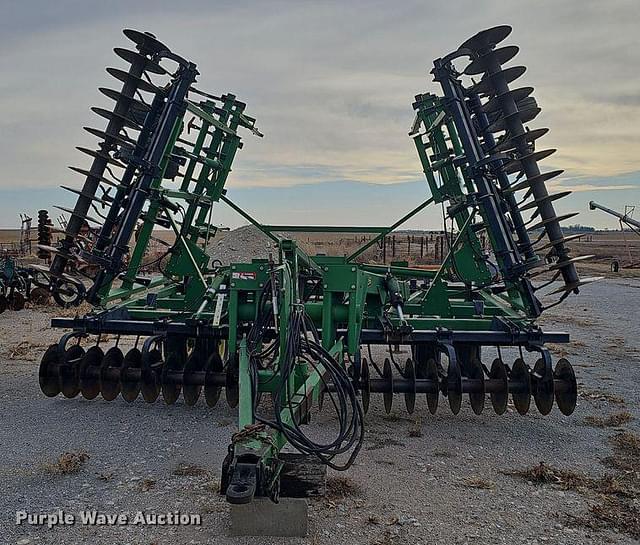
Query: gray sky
point(331, 84)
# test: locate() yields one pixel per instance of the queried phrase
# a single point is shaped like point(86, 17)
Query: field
point(419, 478)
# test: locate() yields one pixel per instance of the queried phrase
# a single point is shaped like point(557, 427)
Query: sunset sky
point(331, 84)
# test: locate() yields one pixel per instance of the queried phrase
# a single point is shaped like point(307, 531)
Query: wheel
point(68, 294)
point(39, 296)
point(16, 300)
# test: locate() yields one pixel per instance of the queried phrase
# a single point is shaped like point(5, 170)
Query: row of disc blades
point(110, 373)
point(500, 381)
point(507, 110)
point(131, 105)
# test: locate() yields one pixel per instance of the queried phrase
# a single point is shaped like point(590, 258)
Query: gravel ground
point(445, 485)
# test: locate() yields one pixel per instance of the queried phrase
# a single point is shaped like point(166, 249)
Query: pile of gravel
point(241, 245)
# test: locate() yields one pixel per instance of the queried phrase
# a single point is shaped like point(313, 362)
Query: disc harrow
point(293, 327)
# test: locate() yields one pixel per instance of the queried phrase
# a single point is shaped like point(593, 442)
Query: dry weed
point(612, 421)
point(67, 463)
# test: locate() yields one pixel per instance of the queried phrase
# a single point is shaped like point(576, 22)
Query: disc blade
point(525, 115)
point(516, 165)
point(120, 138)
point(112, 116)
point(486, 85)
point(141, 84)
point(495, 103)
point(102, 179)
point(574, 285)
point(562, 240)
point(486, 38)
point(547, 221)
point(73, 213)
point(530, 182)
point(549, 198)
point(101, 155)
point(133, 57)
point(501, 55)
point(510, 142)
point(146, 42)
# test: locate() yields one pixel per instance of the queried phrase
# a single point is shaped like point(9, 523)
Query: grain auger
point(311, 331)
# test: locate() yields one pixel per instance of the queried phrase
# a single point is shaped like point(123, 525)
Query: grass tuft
point(67, 463)
point(611, 421)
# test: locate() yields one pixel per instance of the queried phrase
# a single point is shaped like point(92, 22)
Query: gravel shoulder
point(419, 478)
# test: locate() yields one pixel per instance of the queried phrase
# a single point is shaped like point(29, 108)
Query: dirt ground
point(419, 479)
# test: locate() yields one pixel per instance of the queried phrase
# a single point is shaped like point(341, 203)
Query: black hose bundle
point(303, 343)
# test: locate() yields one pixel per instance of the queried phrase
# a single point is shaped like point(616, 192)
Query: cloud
point(331, 83)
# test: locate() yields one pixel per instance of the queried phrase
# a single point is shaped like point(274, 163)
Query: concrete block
point(262, 517)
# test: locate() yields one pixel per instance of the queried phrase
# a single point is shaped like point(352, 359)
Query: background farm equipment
point(16, 285)
point(626, 222)
point(299, 328)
